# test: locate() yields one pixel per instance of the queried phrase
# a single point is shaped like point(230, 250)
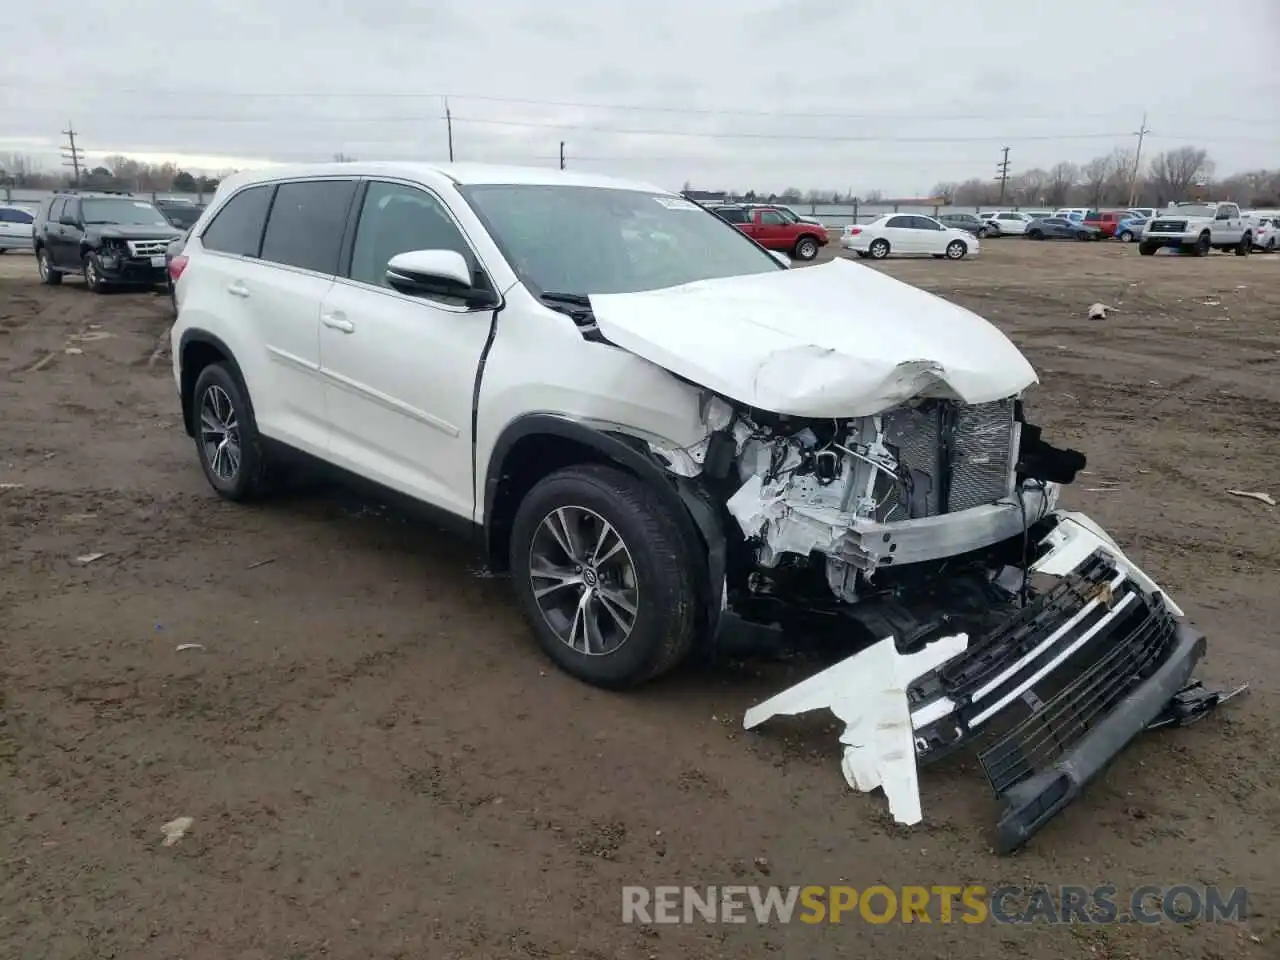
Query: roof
point(460, 173)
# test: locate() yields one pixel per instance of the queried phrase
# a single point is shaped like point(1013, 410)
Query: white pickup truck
point(1198, 228)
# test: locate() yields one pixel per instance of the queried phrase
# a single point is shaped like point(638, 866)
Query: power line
point(188, 94)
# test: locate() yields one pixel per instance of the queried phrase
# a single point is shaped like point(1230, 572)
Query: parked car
point(786, 212)
point(1266, 233)
point(1130, 230)
point(773, 231)
point(1072, 213)
point(172, 252)
point(1146, 213)
point(1012, 223)
point(1198, 228)
point(908, 233)
point(1060, 228)
point(107, 238)
point(16, 228)
point(1038, 214)
point(183, 214)
point(968, 222)
point(1108, 221)
point(647, 422)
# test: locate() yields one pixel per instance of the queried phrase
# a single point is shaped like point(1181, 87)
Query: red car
point(1107, 220)
point(773, 231)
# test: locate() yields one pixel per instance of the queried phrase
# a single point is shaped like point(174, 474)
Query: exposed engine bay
point(929, 536)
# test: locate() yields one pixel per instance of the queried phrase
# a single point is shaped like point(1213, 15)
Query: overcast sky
point(874, 94)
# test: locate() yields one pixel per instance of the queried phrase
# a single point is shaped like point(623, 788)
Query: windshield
point(1194, 210)
point(130, 212)
point(182, 216)
point(592, 240)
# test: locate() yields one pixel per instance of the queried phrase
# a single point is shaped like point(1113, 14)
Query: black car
point(108, 238)
point(1060, 228)
point(181, 214)
point(968, 222)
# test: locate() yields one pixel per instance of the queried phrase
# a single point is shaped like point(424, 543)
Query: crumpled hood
point(837, 340)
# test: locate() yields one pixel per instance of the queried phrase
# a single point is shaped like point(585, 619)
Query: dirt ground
point(378, 762)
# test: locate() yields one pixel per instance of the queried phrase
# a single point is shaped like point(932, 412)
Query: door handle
point(238, 289)
point(338, 322)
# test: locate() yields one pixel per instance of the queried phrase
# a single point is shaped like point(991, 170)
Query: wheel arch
point(535, 445)
point(198, 349)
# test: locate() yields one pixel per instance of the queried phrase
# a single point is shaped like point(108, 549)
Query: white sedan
point(15, 228)
point(908, 233)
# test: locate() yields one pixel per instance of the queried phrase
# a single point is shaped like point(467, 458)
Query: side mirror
point(782, 258)
point(68, 221)
point(436, 273)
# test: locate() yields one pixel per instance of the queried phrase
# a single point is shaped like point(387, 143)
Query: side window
point(21, 216)
point(900, 223)
point(71, 208)
point(926, 223)
point(395, 218)
point(55, 211)
point(772, 218)
point(237, 227)
point(305, 226)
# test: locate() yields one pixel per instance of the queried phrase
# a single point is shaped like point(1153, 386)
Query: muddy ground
point(379, 763)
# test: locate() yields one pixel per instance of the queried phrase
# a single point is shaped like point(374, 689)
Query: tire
point(655, 558)
point(48, 276)
point(93, 276)
point(1147, 249)
point(806, 248)
point(982, 233)
point(216, 390)
point(862, 254)
point(1245, 246)
point(1203, 246)
point(956, 250)
point(1271, 244)
point(1035, 234)
point(1125, 237)
point(879, 249)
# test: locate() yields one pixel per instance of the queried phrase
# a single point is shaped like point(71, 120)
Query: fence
point(33, 198)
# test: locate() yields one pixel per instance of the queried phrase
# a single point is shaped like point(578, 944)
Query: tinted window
point(55, 210)
point(305, 226)
point(733, 214)
point(924, 223)
point(395, 219)
point(899, 222)
point(237, 227)
point(15, 216)
point(772, 218)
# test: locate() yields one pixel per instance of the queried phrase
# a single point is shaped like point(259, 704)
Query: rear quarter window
point(237, 227)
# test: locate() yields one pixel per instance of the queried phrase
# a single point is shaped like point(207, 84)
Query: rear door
point(400, 370)
point(64, 239)
point(900, 233)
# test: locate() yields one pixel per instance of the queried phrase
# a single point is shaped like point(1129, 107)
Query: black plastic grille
point(1134, 650)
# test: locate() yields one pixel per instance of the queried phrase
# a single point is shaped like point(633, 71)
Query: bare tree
point(946, 191)
point(1174, 172)
point(343, 158)
point(1029, 187)
point(1062, 177)
point(1094, 176)
point(1120, 180)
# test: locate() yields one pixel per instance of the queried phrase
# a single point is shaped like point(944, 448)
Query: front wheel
point(1203, 246)
point(604, 576)
point(956, 250)
point(982, 233)
point(1035, 234)
point(1148, 249)
point(806, 248)
point(227, 439)
point(1245, 246)
point(93, 276)
point(879, 249)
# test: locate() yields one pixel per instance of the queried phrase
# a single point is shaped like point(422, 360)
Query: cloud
point(858, 94)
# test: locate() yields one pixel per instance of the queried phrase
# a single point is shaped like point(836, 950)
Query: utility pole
point(448, 119)
point(71, 154)
point(1137, 161)
point(561, 154)
point(1003, 167)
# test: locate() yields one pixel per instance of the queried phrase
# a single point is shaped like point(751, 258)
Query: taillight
point(176, 266)
point(854, 231)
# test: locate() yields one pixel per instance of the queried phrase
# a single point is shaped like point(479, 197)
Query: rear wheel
point(879, 249)
point(604, 576)
point(48, 275)
point(227, 439)
point(1035, 234)
point(1125, 237)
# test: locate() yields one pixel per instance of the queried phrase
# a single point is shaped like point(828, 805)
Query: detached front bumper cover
point(1089, 664)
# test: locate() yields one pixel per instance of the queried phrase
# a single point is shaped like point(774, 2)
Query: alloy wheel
point(584, 580)
point(220, 434)
point(42, 264)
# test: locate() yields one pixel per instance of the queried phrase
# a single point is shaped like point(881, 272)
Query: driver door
point(400, 370)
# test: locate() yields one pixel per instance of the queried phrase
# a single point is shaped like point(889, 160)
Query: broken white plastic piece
point(868, 691)
point(175, 830)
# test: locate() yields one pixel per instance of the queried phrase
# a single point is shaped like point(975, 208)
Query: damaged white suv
point(648, 420)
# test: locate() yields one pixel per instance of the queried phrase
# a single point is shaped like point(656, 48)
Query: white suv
point(649, 422)
point(1011, 223)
